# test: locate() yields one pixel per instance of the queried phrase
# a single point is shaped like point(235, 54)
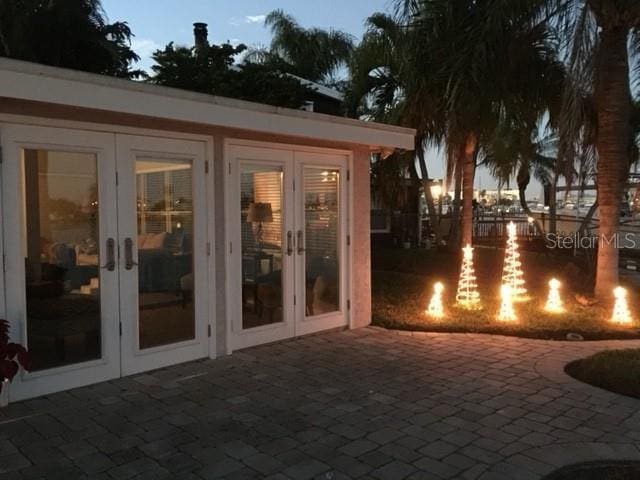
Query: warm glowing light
point(506, 314)
point(530, 220)
point(436, 191)
point(435, 308)
point(554, 302)
point(621, 313)
point(468, 296)
point(512, 274)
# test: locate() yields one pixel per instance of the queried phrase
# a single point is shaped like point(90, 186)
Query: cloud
point(255, 18)
point(144, 47)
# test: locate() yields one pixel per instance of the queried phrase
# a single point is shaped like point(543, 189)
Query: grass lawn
point(403, 283)
point(614, 370)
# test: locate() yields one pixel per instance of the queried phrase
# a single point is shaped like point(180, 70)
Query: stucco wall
point(361, 241)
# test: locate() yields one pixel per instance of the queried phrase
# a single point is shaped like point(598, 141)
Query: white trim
point(3, 302)
point(33, 82)
point(210, 209)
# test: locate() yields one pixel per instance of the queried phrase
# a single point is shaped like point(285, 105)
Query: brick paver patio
point(365, 404)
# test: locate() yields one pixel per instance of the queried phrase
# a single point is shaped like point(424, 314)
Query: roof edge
point(49, 72)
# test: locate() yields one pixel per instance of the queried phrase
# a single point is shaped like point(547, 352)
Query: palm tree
point(66, 33)
point(311, 53)
point(488, 61)
point(378, 91)
point(517, 151)
point(602, 36)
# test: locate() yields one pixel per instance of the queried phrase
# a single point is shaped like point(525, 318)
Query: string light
point(554, 302)
point(435, 308)
point(621, 313)
point(467, 295)
point(512, 274)
point(506, 314)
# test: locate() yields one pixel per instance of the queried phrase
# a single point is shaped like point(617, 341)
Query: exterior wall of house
point(361, 250)
point(219, 170)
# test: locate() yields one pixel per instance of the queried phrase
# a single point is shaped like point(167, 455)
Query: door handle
point(300, 242)
point(111, 255)
point(128, 254)
point(289, 242)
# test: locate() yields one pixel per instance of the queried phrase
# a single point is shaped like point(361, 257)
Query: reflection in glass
point(261, 224)
point(61, 247)
point(165, 251)
point(321, 216)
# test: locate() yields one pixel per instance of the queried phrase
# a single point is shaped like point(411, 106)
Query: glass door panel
point(261, 225)
point(321, 240)
point(61, 241)
point(165, 257)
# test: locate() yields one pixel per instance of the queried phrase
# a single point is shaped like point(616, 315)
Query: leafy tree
point(66, 33)
point(378, 90)
point(313, 54)
point(213, 70)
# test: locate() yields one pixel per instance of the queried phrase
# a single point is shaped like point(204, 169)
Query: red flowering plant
point(12, 356)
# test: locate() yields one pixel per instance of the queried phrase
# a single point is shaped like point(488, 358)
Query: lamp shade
point(259, 212)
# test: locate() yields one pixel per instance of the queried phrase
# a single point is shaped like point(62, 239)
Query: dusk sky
point(158, 22)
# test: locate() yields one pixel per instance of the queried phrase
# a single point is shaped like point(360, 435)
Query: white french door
point(288, 229)
point(163, 251)
point(60, 232)
point(321, 241)
point(105, 243)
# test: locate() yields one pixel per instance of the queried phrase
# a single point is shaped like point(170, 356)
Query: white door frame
point(14, 139)
point(304, 324)
point(237, 151)
point(128, 148)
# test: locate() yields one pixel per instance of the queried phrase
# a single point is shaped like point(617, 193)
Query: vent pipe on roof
point(200, 35)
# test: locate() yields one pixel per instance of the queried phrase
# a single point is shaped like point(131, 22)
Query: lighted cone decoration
point(554, 302)
point(507, 313)
point(435, 308)
point(512, 274)
point(621, 313)
point(468, 296)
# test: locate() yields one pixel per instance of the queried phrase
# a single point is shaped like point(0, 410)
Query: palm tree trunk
point(468, 169)
point(454, 235)
point(553, 203)
point(613, 106)
point(586, 221)
point(426, 185)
